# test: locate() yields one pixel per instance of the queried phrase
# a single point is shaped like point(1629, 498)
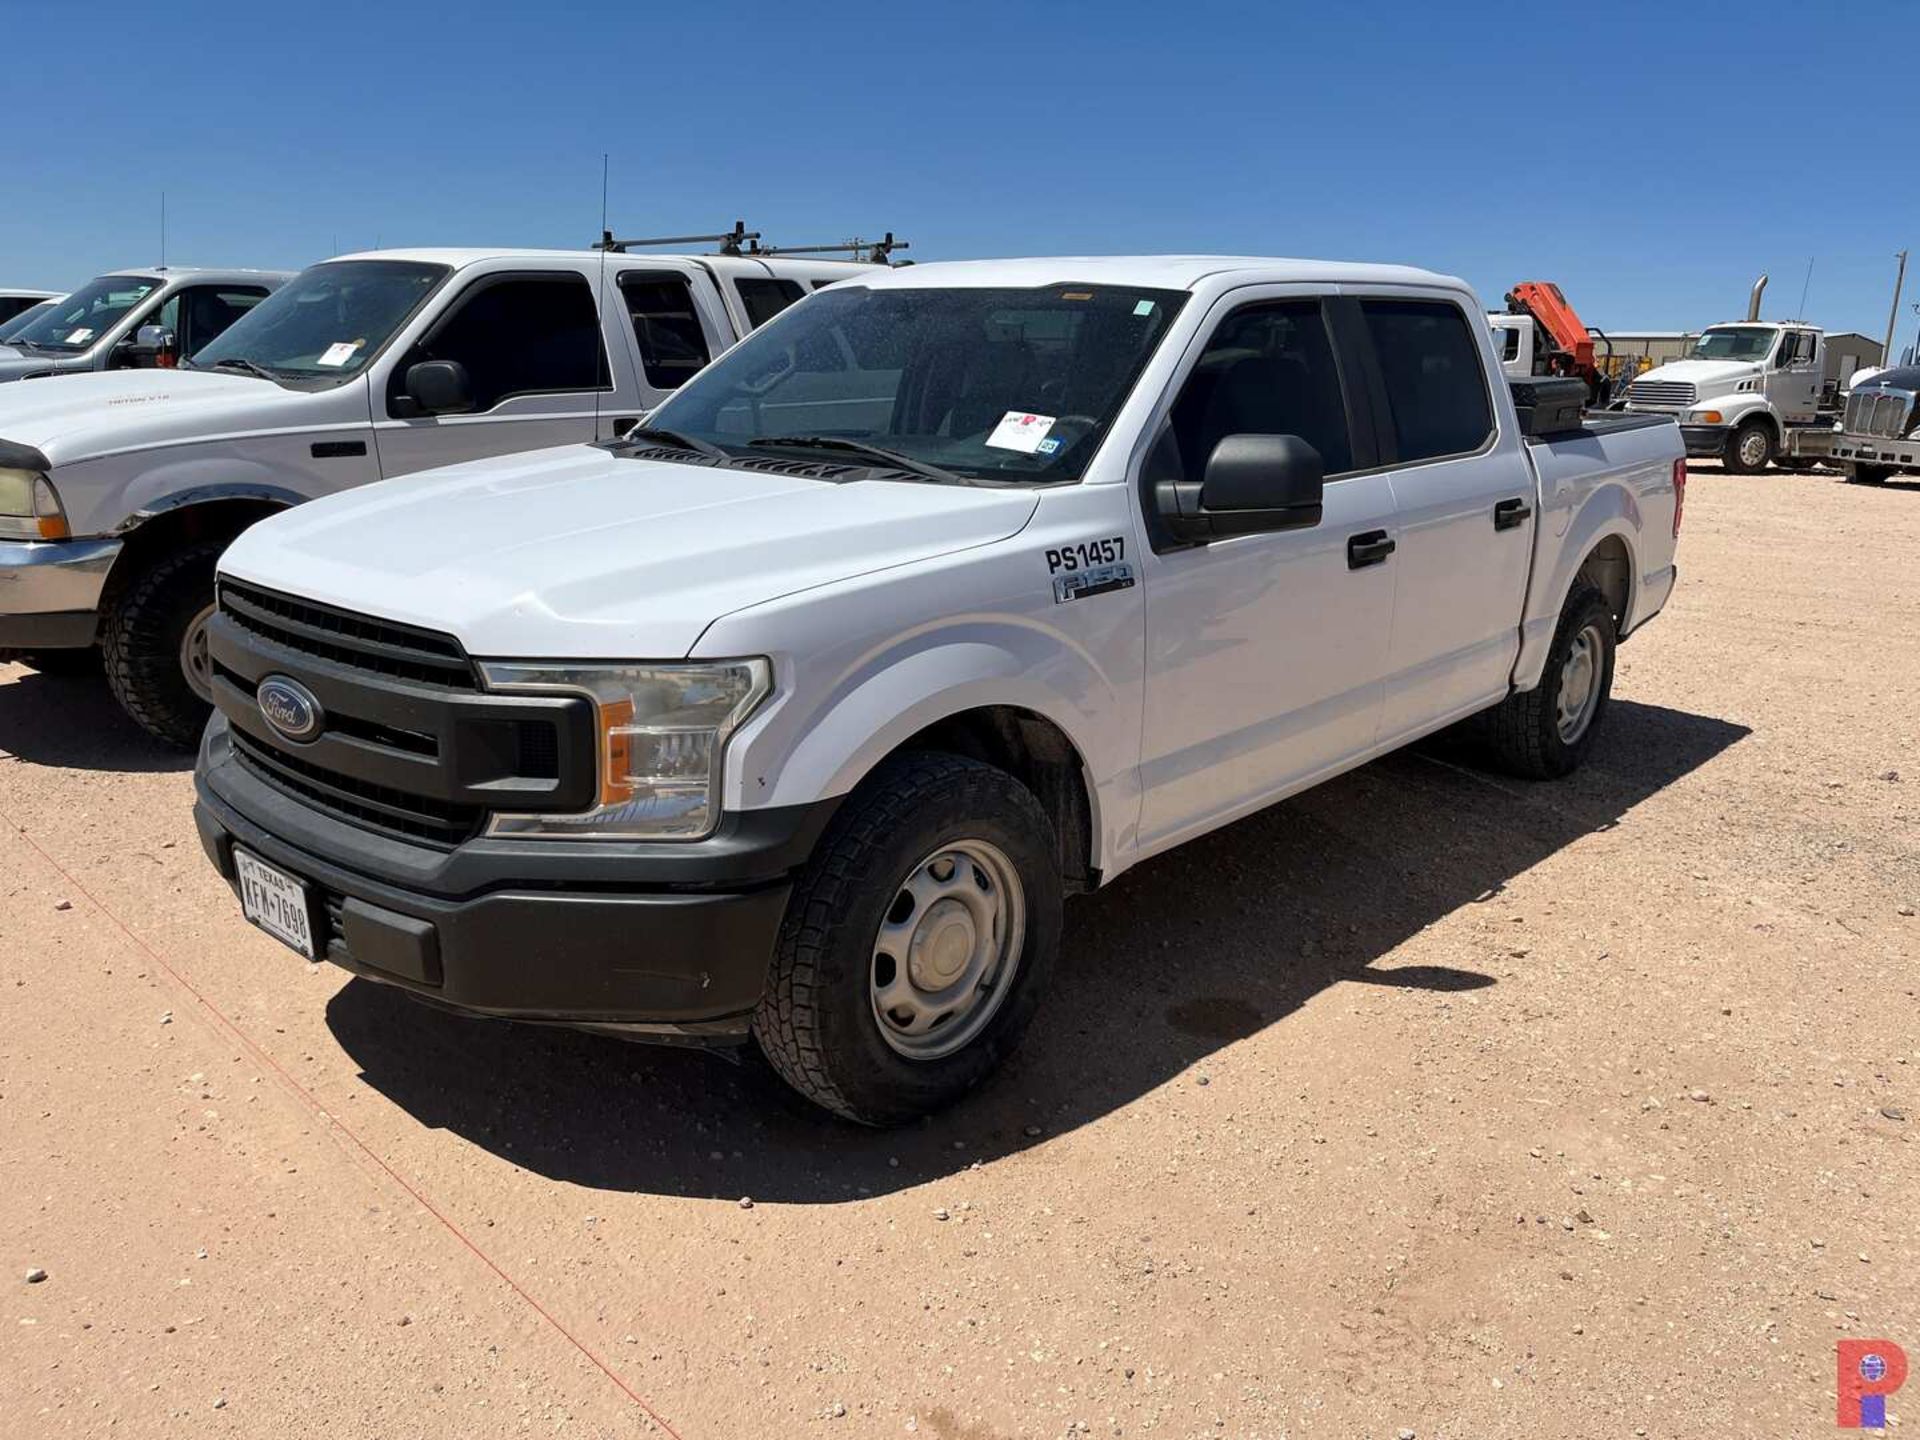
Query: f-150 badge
point(1098, 580)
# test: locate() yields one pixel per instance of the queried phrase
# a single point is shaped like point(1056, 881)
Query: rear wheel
point(1750, 448)
point(155, 644)
point(1545, 733)
point(1869, 474)
point(917, 942)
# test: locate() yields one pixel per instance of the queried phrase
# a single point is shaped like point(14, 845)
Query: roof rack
point(730, 242)
point(742, 241)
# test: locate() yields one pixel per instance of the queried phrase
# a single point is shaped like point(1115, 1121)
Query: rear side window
point(1268, 370)
point(765, 298)
point(1436, 386)
point(528, 335)
point(673, 347)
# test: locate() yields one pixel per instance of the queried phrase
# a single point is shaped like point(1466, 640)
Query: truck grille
point(1878, 411)
point(409, 744)
point(1666, 394)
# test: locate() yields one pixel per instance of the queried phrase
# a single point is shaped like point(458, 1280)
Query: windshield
point(328, 321)
point(1006, 385)
point(1734, 342)
point(78, 322)
point(21, 321)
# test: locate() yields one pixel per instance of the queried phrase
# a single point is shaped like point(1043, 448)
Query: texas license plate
point(275, 901)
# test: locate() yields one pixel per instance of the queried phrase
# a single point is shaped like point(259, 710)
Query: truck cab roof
point(1160, 272)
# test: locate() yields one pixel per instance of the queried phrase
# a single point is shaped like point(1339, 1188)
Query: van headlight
point(662, 740)
point(30, 507)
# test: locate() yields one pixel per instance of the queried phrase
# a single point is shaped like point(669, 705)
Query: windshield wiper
point(24, 344)
point(675, 440)
point(246, 367)
point(891, 458)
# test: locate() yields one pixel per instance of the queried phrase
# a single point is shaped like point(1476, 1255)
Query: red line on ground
point(327, 1116)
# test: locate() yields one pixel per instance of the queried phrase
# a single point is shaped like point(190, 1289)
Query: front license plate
point(276, 902)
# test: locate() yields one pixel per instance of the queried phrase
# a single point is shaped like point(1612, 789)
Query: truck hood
point(99, 412)
point(576, 553)
point(1703, 373)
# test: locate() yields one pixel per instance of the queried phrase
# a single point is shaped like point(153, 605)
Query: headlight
point(30, 507)
point(663, 733)
point(1705, 417)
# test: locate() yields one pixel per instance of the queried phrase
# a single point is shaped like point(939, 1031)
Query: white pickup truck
point(98, 326)
point(952, 591)
point(118, 491)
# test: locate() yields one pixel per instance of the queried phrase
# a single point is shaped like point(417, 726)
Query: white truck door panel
point(1465, 506)
point(1793, 384)
point(532, 344)
point(1264, 653)
point(672, 321)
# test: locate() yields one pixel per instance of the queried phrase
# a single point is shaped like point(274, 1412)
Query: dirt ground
point(1431, 1101)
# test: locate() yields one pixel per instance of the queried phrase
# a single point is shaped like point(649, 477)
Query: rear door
point(1464, 503)
point(675, 321)
point(1264, 653)
point(531, 344)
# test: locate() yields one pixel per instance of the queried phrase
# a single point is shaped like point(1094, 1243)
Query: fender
point(840, 737)
point(183, 480)
point(1736, 408)
point(207, 494)
point(1611, 510)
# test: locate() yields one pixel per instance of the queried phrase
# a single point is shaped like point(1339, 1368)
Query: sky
point(1650, 159)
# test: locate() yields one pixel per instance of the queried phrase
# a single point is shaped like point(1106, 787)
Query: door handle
point(1372, 548)
point(1509, 513)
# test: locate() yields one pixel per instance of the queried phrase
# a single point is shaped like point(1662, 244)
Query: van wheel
point(917, 942)
point(1868, 474)
point(1544, 733)
point(1750, 448)
point(155, 644)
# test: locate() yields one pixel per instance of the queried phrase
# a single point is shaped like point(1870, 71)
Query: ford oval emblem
point(290, 708)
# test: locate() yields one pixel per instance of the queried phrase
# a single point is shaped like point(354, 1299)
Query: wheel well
point(1038, 754)
point(170, 529)
point(1764, 417)
point(1609, 569)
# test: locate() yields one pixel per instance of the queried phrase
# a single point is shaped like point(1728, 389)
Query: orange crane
point(1569, 350)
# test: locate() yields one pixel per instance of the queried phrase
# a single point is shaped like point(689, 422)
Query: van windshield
point(990, 384)
point(327, 322)
point(1734, 342)
point(79, 321)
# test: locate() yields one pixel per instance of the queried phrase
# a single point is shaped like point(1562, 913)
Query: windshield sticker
point(1020, 431)
point(1047, 446)
point(1144, 307)
point(80, 336)
point(341, 353)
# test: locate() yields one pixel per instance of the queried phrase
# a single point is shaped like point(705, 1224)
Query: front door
point(1264, 653)
point(1793, 384)
point(536, 367)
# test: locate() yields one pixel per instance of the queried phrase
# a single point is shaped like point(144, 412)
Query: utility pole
point(1886, 353)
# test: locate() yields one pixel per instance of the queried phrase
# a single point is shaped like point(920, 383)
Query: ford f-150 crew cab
point(953, 590)
point(118, 491)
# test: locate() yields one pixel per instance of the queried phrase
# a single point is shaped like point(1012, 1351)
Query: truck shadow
point(1178, 959)
point(70, 720)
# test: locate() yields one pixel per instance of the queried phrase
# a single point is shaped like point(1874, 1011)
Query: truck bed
point(1602, 422)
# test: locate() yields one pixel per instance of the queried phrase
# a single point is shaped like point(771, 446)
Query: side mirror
point(1252, 483)
point(439, 387)
point(151, 345)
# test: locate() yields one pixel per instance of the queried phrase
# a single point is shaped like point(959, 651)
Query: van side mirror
point(1252, 483)
point(438, 387)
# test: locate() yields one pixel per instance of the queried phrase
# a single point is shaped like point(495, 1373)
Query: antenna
point(1802, 312)
point(163, 229)
point(600, 356)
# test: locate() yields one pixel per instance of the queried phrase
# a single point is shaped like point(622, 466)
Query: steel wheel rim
point(1753, 448)
point(1580, 684)
point(195, 663)
point(948, 950)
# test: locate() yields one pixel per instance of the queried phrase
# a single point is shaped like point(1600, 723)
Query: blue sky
point(1651, 159)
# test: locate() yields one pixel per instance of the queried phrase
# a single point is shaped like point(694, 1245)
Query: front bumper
point(50, 592)
point(1706, 441)
point(1900, 454)
point(667, 942)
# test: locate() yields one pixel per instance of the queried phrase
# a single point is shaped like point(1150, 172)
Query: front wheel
point(917, 942)
point(1544, 733)
point(155, 644)
point(1750, 448)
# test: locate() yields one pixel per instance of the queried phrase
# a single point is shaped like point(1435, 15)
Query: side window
point(1509, 339)
point(673, 347)
point(207, 310)
point(1268, 370)
point(526, 335)
point(766, 298)
point(1436, 386)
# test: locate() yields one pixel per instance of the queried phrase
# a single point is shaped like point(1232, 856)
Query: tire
point(1526, 730)
point(1868, 474)
point(1750, 448)
point(821, 1023)
point(146, 631)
